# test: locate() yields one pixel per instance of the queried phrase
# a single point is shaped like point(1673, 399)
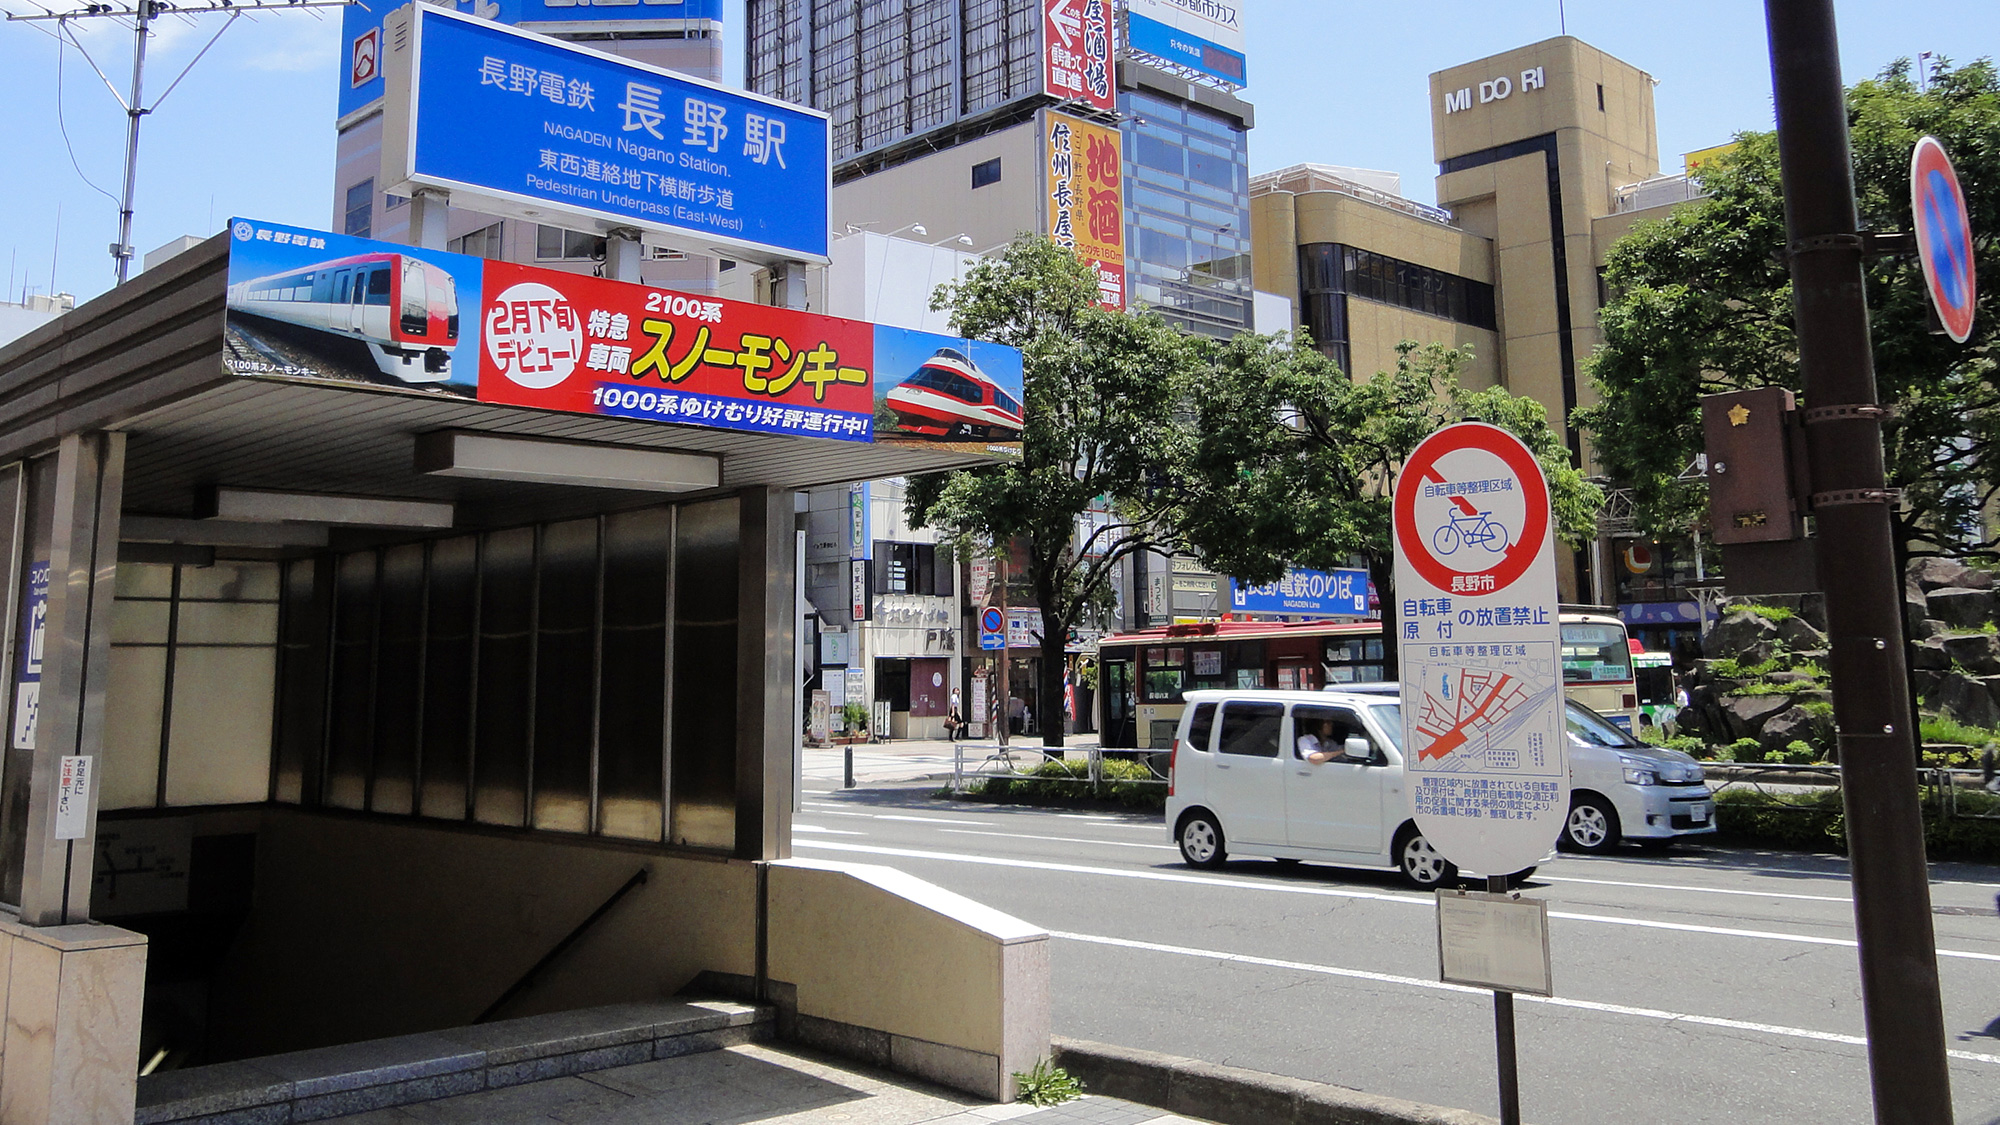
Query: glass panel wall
point(451, 622)
point(506, 724)
point(704, 670)
point(565, 676)
point(632, 736)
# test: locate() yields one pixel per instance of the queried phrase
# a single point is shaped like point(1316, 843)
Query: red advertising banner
point(1076, 51)
point(1087, 199)
point(587, 345)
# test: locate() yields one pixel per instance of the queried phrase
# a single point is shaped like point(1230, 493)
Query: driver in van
point(1318, 744)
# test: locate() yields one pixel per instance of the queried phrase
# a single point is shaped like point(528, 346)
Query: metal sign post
point(1857, 565)
point(1480, 646)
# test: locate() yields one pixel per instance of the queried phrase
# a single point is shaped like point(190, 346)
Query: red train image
point(949, 397)
point(405, 309)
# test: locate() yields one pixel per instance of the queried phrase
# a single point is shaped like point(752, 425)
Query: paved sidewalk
point(766, 1084)
point(919, 759)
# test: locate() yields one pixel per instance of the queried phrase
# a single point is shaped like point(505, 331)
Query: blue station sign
point(535, 128)
point(1342, 593)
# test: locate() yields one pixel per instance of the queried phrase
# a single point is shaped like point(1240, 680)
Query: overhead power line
point(140, 17)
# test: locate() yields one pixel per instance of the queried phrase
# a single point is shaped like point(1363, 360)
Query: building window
point(986, 172)
point(360, 214)
point(482, 243)
point(1187, 214)
point(554, 244)
point(1600, 97)
point(913, 568)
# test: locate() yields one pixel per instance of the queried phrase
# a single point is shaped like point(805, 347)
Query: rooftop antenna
point(55, 249)
point(141, 14)
point(1562, 18)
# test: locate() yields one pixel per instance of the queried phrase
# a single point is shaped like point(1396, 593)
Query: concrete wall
point(886, 966)
point(937, 192)
point(364, 928)
point(69, 1046)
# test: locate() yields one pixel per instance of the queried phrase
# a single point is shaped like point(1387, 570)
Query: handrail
point(568, 940)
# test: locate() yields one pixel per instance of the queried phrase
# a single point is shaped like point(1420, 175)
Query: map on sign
point(1482, 711)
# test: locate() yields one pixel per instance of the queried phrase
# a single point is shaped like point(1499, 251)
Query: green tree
point(1296, 464)
point(1702, 305)
point(1100, 391)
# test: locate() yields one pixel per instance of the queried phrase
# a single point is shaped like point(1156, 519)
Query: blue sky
point(250, 130)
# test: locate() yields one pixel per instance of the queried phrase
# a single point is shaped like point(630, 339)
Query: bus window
point(1595, 653)
point(1164, 675)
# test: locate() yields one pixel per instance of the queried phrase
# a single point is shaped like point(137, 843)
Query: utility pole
point(142, 14)
point(1857, 567)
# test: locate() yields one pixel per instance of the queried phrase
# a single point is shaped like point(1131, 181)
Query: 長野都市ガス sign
point(540, 129)
point(307, 304)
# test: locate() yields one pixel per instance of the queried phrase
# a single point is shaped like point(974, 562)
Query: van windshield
point(1588, 728)
point(1390, 717)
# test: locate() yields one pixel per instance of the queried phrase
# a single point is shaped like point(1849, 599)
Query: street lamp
point(918, 228)
point(962, 240)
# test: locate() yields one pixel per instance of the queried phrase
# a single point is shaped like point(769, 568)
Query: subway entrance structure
point(357, 658)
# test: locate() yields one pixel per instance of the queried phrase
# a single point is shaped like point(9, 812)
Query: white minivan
point(1238, 782)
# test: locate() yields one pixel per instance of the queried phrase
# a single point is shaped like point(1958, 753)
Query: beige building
point(1546, 154)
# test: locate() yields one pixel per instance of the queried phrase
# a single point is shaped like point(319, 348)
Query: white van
point(1238, 782)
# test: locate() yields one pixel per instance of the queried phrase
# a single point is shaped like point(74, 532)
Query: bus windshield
point(1595, 652)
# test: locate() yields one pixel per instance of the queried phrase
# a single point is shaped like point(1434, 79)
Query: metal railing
point(1026, 763)
point(1941, 787)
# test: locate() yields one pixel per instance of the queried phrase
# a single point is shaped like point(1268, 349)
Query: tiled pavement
point(753, 1084)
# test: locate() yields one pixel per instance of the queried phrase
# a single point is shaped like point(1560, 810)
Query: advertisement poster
point(1076, 56)
point(1338, 592)
point(308, 304)
point(34, 642)
point(1086, 198)
point(565, 127)
point(1202, 35)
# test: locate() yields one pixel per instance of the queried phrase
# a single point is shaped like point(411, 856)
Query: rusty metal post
point(1857, 567)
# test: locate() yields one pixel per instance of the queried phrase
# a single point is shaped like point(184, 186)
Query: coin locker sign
point(1480, 645)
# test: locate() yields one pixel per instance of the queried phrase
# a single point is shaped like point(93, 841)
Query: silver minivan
point(1240, 784)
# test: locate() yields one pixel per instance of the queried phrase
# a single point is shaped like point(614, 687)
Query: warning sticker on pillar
point(73, 797)
point(34, 641)
point(1480, 649)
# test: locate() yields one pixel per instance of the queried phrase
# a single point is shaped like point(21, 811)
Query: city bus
point(1143, 675)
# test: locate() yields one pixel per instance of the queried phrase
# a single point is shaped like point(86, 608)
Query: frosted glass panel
point(131, 774)
point(351, 741)
point(227, 623)
point(506, 680)
point(398, 672)
point(144, 580)
point(139, 622)
point(565, 654)
point(631, 752)
point(231, 581)
point(219, 751)
point(704, 748)
point(454, 594)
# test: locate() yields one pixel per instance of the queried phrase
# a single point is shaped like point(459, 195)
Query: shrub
point(1771, 612)
point(1816, 821)
point(1798, 752)
point(1126, 781)
point(1047, 1085)
point(1746, 750)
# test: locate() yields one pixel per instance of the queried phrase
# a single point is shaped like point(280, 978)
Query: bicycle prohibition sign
point(1472, 511)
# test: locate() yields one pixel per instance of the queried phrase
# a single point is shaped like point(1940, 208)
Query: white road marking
point(1332, 892)
point(796, 827)
point(1059, 839)
point(836, 812)
point(1697, 890)
point(1552, 1001)
point(937, 820)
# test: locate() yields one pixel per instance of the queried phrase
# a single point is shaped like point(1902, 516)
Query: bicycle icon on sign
point(1469, 529)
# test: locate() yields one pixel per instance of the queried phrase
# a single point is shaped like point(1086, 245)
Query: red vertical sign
point(1076, 51)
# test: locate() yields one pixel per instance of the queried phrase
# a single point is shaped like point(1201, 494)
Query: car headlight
point(1639, 772)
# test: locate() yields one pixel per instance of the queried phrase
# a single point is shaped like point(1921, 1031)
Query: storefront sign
point(834, 647)
point(1076, 51)
point(819, 723)
point(858, 569)
point(1481, 671)
point(383, 316)
point(1660, 613)
point(361, 29)
point(1203, 35)
point(857, 685)
point(72, 821)
point(564, 130)
point(857, 521)
point(1495, 89)
point(1340, 592)
point(1024, 628)
point(1086, 199)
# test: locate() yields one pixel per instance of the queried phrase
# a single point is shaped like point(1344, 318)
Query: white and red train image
point(403, 308)
point(950, 397)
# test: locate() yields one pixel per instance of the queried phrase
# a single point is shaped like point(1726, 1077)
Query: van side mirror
point(1359, 749)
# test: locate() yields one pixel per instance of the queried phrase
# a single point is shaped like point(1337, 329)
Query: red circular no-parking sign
point(1462, 546)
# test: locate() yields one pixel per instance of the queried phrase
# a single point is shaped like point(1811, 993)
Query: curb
point(1234, 1096)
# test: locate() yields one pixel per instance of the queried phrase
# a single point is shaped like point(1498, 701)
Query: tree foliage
point(1702, 304)
point(1100, 390)
point(1293, 463)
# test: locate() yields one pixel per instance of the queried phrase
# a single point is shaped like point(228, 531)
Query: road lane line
point(1332, 892)
point(1059, 839)
point(1552, 1001)
point(937, 820)
point(1698, 890)
point(797, 827)
point(836, 812)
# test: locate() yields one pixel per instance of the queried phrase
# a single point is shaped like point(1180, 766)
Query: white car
point(1238, 784)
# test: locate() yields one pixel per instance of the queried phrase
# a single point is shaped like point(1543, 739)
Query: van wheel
point(1423, 866)
point(1200, 838)
point(1591, 827)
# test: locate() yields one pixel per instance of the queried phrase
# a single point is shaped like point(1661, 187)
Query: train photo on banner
point(1142, 676)
point(950, 397)
point(403, 308)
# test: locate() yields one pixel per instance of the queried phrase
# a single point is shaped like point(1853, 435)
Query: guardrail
point(1941, 787)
